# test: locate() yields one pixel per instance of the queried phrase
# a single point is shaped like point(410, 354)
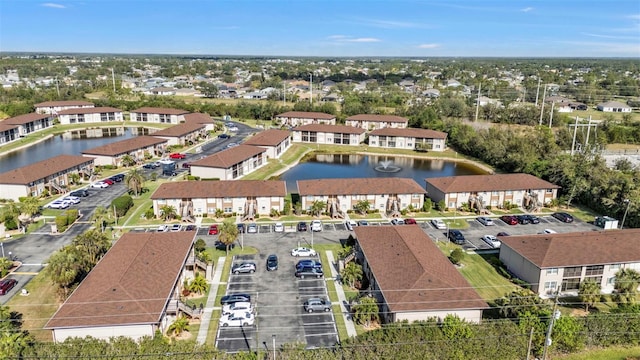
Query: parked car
point(177, 156)
point(278, 227)
point(241, 228)
point(509, 219)
point(168, 172)
point(316, 225)
point(71, 199)
point(163, 228)
point(99, 185)
point(176, 227)
point(190, 228)
point(303, 251)
point(244, 268)
point(6, 285)
point(363, 223)
point(439, 224)
point(348, 225)
point(233, 298)
point(502, 233)
point(80, 193)
point(309, 272)
point(455, 236)
point(233, 128)
point(523, 219)
point(302, 226)
point(308, 263)
point(222, 246)
point(232, 144)
point(252, 228)
point(116, 178)
point(59, 204)
point(213, 229)
point(186, 165)
point(108, 182)
point(485, 221)
point(317, 304)
point(491, 241)
point(237, 306)
point(237, 319)
point(272, 262)
point(410, 221)
point(563, 216)
point(397, 221)
point(532, 218)
point(223, 136)
point(548, 231)
point(151, 165)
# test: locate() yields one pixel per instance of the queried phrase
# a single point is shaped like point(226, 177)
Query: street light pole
point(2, 245)
point(273, 338)
point(628, 202)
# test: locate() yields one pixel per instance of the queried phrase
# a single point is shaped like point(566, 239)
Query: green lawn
point(611, 353)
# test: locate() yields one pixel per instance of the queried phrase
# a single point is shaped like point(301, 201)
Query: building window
point(549, 191)
point(594, 270)
point(228, 210)
point(615, 267)
point(575, 271)
point(596, 279)
point(550, 287)
point(211, 210)
point(570, 284)
point(611, 281)
point(553, 271)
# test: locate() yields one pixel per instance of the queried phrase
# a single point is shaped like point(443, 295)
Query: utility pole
point(586, 141)
point(113, 80)
point(544, 95)
point(530, 341)
point(554, 315)
point(311, 88)
point(284, 92)
point(553, 103)
point(58, 87)
point(478, 102)
point(538, 92)
point(575, 132)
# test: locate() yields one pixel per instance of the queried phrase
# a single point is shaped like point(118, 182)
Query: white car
point(316, 225)
point(163, 228)
point(278, 227)
point(492, 241)
point(548, 231)
point(439, 224)
point(238, 318)
point(350, 224)
point(237, 307)
point(100, 184)
point(72, 199)
point(252, 228)
point(176, 227)
point(59, 204)
point(233, 128)
point(302, 251)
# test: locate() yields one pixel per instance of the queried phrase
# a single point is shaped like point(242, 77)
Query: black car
point(562, 216)
point(523, 219)
point(308, 263)
point(150, 166)
point(533, 219)
point(241, 228)
point(80, 193)
point(272, 262)
point(234, 298)
point(309, 272)
point(223, 136)
point(302, 226)
point(455, 236)
point(190, 228)
point(117, 177)
point(222, 246)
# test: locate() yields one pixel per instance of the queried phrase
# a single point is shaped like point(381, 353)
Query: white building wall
point(474, 316)
point(65, 119)
point(13, 192)
point(101, 159)
point(135, 332)
point(209, 172)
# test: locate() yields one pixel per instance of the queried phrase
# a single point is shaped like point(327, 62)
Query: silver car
point(485, 221)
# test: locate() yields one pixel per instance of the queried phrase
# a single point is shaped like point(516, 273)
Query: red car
point(509, 219)
point(177, 156)
point(213, 230)
point(410, 221)
point(108, 181)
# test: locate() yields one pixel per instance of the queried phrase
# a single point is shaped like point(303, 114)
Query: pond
point(332, 166)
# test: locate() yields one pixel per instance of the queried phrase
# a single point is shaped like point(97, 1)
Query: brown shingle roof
point(218, 189)
point(199, 118)
point(130, 285)
point(26, 118)
point(5, 127)
point(63, 103)
point(496, 182)
point(579, 248)
point(93, 110)
point(229, 157)
point(271, 137)
point(412, 272)
point(179, 130)
point(326, 128)
point(306, 115)
point(374, 186)
point(41, 169)
point(125, 146)
point(410, 132)
point(158, 110)
point(378, 118)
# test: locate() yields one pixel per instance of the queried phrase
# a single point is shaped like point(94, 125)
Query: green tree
point(74, 178)
point(168, 212)
point(521, 301)
point(626, 286)
point(134, 180)
point(428, 205)
point(351, 273)
point(317, 207)
point(455, 328)
point(228, 233)
point(199, 284)
point(362, 206)
point(568, 334)
point(5, 265)
point(101, 215)
point(64, 269)
point(366, 311)
point(456, 256)
point(128, 160)
point(589, 293)
point(179, 326)
point(200, 245)
point(29, 206)
point(92, 245)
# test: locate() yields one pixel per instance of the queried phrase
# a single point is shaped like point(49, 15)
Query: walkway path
point(211, 301)
point(348, 321)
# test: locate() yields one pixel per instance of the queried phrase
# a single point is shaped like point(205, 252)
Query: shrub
point(200, 245)
point(149, 214)
point(274, 213)
point(193, 178)
point(456, 256)
point(428, 205)
point(122, 204)
point(441, 205)
point(72, 215)
point(61, 222)
point(10, 223)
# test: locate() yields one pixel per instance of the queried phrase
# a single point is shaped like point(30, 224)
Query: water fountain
point(387, 167)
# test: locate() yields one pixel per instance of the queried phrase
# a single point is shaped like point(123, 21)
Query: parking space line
point(237, 338)
point(324, 334)
point(319, 323)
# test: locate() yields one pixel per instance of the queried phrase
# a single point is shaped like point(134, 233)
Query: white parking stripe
point(238, 338)
point(319, 323)
point(323, 334)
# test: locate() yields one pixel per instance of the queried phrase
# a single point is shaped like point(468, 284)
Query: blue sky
point(514, 28)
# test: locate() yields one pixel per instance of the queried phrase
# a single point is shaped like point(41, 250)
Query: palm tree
point(589, 293)
point(351, 273)
point(100, 216)
point(362, 206)
point(134, 180)
point(63, 269)
point(626, 285)
point(168, 212)
point(74, 178)
point(317, 207)
point(228, 233)
point(29, 206)
point(128, 160)
point(366, 311)
point(178, 326)
point(198, 284)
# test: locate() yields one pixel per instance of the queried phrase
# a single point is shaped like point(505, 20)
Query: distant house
point(276, 142)
point(255, 95)
point(491, 190)
point(409, 138)
point(9, 133)
point(373, 122)
point(243, 197)
point(328, 134)
point(90, 115)
point(162, 90)
point(158, 115)
point(453, 83)
point(614, 106)
point(484, 101)
point(51, 175)
point(30, 123)
point(296, 118)
point(431, 93)
point(410, 277)
point(200, 118)
point(137, 148)
point(384, 194)
point(552, 262)
point(230, 164)
point(133, 291)
point(183, 134)
point(54, 107)
point(333, 97)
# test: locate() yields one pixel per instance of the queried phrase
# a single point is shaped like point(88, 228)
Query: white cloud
point(527, 9)
point(344, 38)
point(634, 17)
point(363, 40)
point(336, 37)
point(54, 5)
point(390, 24)
point(611, 36)
point(428, 46)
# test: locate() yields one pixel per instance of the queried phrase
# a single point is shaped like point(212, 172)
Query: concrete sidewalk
point(348, 321)
point(211, 301)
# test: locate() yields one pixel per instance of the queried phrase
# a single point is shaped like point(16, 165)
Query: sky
point(325, 28)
